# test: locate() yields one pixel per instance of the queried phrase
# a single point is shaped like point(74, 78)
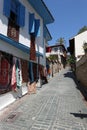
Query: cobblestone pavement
point(58, 105)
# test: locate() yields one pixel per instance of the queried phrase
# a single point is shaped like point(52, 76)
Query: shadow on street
point(79, 115)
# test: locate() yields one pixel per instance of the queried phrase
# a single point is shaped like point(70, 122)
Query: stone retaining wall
point(81, 70)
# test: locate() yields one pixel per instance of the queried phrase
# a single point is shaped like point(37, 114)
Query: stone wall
point(81, 70)
point(54, 68)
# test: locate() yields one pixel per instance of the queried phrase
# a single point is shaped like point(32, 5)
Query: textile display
point(18, 73)
point(4, 72)
point(31, 75)
point(16, 80)
point(25, 73)
point(32, 48)
point(35, 72)
point(13, 78)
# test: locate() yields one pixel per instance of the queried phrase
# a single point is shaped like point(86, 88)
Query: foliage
point(85, 46)
point(71, 60)
point(53, 57)
point(83, 29)
point(61, 41)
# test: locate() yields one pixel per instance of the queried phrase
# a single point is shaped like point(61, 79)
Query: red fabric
point(4, 73)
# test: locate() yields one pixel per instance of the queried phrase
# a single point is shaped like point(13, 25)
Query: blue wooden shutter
point(14, 6)
point(21, 15)
point(6, 8)
point(37, 27)
point(31, 23)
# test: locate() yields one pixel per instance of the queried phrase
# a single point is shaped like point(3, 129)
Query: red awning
point(48, 49)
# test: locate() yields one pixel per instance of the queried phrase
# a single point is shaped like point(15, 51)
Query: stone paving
point(58, 105)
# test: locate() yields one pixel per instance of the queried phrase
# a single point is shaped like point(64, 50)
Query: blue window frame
point(37, 27)
point(31, 23)
point(14, 6)
point(21, 15)
point(6, 8)
point(17, 8)
point(34, 25)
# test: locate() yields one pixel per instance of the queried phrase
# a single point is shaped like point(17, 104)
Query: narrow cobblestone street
point(58, 105)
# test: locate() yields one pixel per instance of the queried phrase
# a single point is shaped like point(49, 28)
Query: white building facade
point(22, 43)
point(77, 42)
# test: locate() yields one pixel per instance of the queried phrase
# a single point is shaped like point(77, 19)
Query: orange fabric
point(13, 78)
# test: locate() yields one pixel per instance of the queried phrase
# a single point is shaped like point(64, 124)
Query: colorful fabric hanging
point(4, 73)
point(31, 75)
point(13, 78)
point(25, 73)
point(18, 73)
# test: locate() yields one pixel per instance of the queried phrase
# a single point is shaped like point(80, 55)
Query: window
point(16, 7)
point(13, 28)
point(31, 23)
point(34, 25)
point(55, 49)
point(13, 17)
point(37, 27)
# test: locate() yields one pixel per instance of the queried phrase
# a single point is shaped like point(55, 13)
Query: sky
point(70, 16)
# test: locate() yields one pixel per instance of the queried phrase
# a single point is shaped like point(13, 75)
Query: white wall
point(6, 99)
point(3, 20)
point(24, 35)
point(79, 41)
point(13, 50)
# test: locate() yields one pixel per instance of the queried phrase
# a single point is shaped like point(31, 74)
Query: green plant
point(71, 60)
point(85, 46)
point(53, 57)
point(83, 29)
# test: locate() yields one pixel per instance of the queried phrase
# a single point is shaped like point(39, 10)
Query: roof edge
point(47, 9)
